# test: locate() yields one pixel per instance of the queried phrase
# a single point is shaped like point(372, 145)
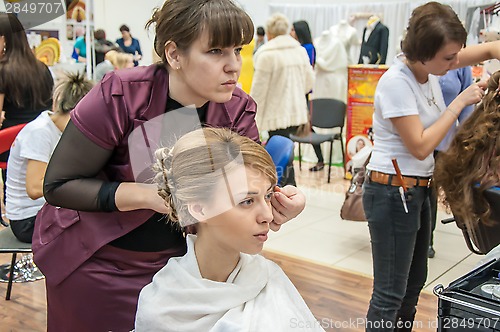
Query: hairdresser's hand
point(287, 203)
point(470, 96)
point(134, 196)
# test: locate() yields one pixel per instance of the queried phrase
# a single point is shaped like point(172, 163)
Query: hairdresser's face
point(244, 227)
point(209, 74)
point(444, 60)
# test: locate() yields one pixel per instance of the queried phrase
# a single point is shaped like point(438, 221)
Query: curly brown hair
point(472, 163)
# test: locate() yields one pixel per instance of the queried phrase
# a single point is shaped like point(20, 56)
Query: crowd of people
point(120, 251)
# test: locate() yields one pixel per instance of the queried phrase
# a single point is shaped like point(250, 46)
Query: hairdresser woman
point(108, 235)
point(409, 121)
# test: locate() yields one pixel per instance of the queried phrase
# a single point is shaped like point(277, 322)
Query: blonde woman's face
point(208, 74)
point(244, 227)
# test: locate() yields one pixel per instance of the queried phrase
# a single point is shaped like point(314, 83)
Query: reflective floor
point(319, 235)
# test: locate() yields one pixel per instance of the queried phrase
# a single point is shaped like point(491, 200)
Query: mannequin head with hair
point(220, 181)
point(472, 159)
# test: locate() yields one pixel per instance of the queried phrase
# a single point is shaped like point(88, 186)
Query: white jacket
point(331, 68)
point(282, 78)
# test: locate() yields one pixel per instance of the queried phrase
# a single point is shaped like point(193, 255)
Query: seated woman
point(113, 60)
point(222, 184)
point(472, 163)
point(31, 152)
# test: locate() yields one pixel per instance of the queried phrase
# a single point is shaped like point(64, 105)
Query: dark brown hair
point(124, 28)
point(22, 76)
point(473, 159)
point(182, 21)
point(431, 26)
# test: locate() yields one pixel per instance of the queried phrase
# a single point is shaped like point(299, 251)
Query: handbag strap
point(367, 160)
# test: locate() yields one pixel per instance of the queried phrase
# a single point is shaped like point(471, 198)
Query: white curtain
point(394, 15)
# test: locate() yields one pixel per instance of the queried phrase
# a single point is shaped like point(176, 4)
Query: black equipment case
point(467, 305)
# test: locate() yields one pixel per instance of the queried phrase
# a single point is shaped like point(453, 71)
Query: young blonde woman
point(109, 236)
point(222, 183)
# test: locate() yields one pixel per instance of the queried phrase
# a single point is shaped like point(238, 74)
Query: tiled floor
point(318, 234)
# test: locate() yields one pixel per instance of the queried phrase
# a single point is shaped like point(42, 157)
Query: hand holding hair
point(287, 203)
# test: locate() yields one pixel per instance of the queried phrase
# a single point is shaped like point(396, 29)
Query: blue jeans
point(400, 242)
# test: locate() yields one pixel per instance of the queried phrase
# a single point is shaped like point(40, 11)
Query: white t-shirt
point(36, 141)
point(399, 94)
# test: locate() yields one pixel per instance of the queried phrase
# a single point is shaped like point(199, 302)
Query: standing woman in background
point(409, 122)
point(282, 78)
point(129, 44)
point(25, 83)
point(302, 33)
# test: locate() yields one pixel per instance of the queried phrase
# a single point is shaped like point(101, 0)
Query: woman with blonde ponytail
point(31, 152)
point(221, 184)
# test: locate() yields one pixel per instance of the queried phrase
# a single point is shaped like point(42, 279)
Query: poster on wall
point(76, 11)
point(362, 82)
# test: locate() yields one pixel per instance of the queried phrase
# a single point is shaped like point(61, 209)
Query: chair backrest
point(7, 137)
point(484, 236)
point(280, 149)
point(327, 113)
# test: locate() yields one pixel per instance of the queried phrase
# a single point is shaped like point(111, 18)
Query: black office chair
point(486, 234)
point(327, 114)
point(9, 244)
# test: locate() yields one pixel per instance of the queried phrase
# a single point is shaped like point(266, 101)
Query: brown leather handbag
point(352, 209)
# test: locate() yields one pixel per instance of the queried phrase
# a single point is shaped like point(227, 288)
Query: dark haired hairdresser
point(31, 152)
point(110, 235)
point(25, 83)
point(410, 120)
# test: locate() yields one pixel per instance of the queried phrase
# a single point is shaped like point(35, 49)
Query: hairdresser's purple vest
point(63, 239)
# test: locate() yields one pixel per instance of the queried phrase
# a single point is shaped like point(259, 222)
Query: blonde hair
point(69, 91)
point(277, 25)
point(187, 172)
point(119, 60)
point(122, 60)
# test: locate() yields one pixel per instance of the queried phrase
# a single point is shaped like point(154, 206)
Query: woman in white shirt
point(221, 183)
point(409, 121)
point(30, 154)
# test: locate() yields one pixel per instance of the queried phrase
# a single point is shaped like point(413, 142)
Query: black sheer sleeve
point(70, 180)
